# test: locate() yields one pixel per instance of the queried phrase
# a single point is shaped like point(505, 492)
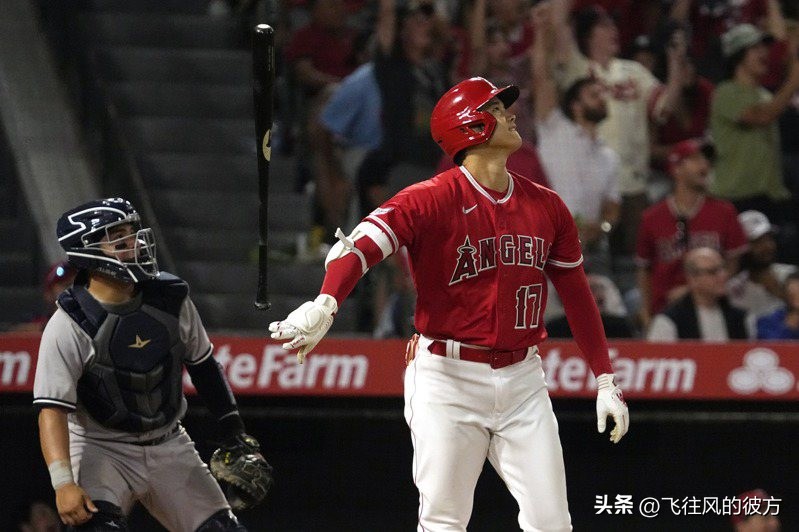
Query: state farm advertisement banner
point(351, 367)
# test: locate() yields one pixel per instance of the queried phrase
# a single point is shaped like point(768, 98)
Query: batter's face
point(120, 243)
point(505, 134)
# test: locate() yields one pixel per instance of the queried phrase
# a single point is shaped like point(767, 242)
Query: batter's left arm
point(586, 324)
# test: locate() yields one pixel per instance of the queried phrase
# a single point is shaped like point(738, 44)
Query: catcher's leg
point(182, 494)
point(109, 517)
point(222, 521)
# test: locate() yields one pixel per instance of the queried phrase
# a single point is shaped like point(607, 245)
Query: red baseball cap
point(686, 148)
point(58, 272)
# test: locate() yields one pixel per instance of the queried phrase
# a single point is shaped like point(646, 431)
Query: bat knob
point(263, 305)
point(264, 28)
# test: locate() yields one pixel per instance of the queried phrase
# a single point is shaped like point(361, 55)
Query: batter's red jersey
point(478, 258)
point(715, 225)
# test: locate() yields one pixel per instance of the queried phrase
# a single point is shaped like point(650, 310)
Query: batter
point(481, 242)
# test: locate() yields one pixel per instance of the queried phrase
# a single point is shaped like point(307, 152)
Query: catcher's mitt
point(242, 472)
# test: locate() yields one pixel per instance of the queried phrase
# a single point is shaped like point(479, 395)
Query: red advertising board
point(354, 367)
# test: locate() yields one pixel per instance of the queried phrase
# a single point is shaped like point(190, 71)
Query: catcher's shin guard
point(108, 518)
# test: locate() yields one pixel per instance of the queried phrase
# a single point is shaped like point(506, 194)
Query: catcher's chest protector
point(134, 381)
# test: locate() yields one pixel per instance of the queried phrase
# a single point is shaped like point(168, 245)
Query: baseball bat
point(263, 84)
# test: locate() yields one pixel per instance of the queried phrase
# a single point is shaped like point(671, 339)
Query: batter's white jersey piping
point(386, 229)
point(566, 264)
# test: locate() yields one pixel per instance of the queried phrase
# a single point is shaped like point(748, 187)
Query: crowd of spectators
point(666, 125)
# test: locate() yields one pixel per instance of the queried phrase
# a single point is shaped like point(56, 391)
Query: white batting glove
point(305, 326)
point(610, 402)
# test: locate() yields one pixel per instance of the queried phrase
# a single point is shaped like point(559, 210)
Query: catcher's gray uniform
point(159, 467)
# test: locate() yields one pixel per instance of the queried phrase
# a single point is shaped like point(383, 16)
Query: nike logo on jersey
point(139, 343)
point(470, 209)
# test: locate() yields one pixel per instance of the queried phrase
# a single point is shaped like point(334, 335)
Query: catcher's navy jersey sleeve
point(63, 351)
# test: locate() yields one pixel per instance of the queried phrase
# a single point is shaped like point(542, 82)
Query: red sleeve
point(565, 251)
point(396, 219)
point(583, 316)
point(344, 273)
point(399, 217)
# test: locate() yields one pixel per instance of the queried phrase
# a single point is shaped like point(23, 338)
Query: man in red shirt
point(481, 243)
point(688, 218)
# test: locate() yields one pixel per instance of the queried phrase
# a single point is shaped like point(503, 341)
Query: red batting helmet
point(456, 114)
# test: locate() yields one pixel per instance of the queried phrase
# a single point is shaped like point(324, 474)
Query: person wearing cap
point(592, 50)
point(743, 122)
point(754, 514)
point(783, 323)
point(687, 218)
point(758, 287)
point(704, 312)
point(58, 278)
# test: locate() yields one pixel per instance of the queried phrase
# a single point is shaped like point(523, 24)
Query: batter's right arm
point(73, 504)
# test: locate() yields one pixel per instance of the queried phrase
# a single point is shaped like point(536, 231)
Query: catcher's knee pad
point(221, 521)
point(109, 517)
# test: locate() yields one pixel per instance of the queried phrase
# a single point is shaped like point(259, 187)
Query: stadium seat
point(125, 63)
point(188, 100)
point(197, 7)
point(199, 135)
point(158, 29)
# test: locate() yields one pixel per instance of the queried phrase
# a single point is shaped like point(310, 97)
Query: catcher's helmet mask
point(459, 120)
point(88, 235)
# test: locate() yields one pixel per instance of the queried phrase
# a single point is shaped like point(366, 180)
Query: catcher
point(108, 388)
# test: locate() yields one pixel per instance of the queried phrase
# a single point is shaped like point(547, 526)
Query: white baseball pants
point(461, 413)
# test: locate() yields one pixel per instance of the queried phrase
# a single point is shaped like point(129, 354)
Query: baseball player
point(108, 385)
point(481, 242)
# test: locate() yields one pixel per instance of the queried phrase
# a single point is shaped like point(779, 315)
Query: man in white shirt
point(704, 313)
point(591, 51)
point(581, 168)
